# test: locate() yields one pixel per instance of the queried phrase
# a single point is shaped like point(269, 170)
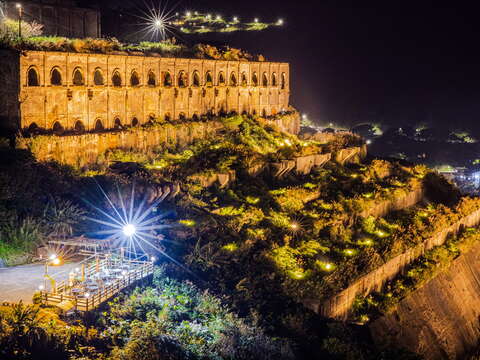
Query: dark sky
point(398, 62)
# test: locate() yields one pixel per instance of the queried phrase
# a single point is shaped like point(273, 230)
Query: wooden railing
point(62, 292)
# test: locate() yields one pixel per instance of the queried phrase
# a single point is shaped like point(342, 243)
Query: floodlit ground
point(20, 282)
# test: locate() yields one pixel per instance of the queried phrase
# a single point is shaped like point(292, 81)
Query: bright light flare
point(156, 23)
point(129, 230)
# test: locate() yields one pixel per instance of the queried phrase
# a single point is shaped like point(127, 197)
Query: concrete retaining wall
point(338, 306)
point(441, 320)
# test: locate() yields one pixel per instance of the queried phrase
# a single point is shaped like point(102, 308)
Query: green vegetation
point(415, 275)
point(32, 39)
point(169, 320)
point(261, 245)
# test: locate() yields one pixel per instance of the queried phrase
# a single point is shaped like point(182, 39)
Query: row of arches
point(80, 127)
point(183, 79)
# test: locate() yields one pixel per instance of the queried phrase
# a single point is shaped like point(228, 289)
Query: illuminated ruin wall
point(61, 91)
point(440, 320)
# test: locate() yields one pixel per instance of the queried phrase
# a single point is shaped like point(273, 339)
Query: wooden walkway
point(97, 282)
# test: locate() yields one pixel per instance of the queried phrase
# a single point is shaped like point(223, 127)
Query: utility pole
point(20, 11)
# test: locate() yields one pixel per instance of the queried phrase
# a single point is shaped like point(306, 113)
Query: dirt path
point(20, 282)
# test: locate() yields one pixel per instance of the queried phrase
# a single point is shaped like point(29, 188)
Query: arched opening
point(135, 121)
point(244, 79)
point(117, 123)
point(264, 79)
point(32, 77)
point(221, 79)
point(116, 79)
point(208, 79)
point(284, 81)
point(196, 79)
point(255, 79)
point(264, 113)
point(57, 128)
point(152, 80)
point(134, 79)
point(167, 79)
point(182, 79)
point(78, 78)
point(55, 77)
point(274, 79)
point(195, 117)
point(79, 126)
point(98, 77)
point(181, 116)
point(33, 127)
point(233, 79)
point(167, 117)
point(99, 125)
point(151, 118)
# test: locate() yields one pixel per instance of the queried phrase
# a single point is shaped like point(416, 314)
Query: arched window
point(221, 79)
point(195, 117)
point(152, 80)
point(208, 79)
point(32, 77)
point(196, 79)
point(134, 79)
point(99, 125)
point(244, 79)
point(79, 126)
point(254, 79)
point(116, 79)
point(284, 81)
point(182, 79)
point(233, 79)
point(57, 128)
point(33, 127)
point(264, 79)
point(167, 117)
point(78, 78)
point(117, 123)
point(167, 79)
point(55, 77)
point(274, 79)
point(98, 77)
point(181, 116)
point(134, 121)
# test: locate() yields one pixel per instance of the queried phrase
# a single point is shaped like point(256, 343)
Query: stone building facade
point(63, 91)
point(58, 17)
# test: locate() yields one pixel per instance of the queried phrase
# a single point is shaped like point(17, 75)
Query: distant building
point(58, 17)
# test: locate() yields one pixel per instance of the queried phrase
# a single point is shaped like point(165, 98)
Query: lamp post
point(20, 12)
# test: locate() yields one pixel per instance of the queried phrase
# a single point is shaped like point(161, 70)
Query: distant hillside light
point(188, 13)
point(255, 20)
point(235, 18)
point(219, 17)
point(280, 22)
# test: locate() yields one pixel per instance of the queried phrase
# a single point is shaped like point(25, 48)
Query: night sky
point(397, 62)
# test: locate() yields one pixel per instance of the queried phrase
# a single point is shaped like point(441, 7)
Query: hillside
point(264, 221)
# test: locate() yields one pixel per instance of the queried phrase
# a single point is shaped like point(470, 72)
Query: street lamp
point(20, 12)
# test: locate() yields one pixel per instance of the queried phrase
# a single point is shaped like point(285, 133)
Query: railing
point(62, 292)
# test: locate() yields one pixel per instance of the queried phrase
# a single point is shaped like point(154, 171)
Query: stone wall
point(338, 306)
point(382, 208)
point(61, 91)
point(441, 320)
point(80, 150)
point(59, 18)
point(84, 149)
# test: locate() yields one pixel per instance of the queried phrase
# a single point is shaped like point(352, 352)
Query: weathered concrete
point(382, 208)
point(441, 320)
point(338, 306)
point(102, 91)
